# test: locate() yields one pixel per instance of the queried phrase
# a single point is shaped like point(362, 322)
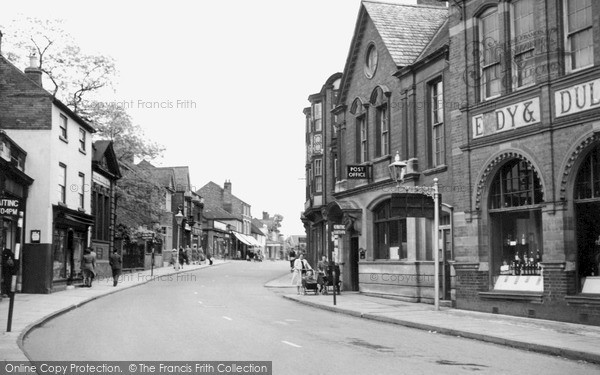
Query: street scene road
point(226, 313)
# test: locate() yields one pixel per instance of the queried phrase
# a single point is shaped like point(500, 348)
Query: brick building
point(59, 159)
point(321, 160)
point(391, 102)
point(105, 173)
point(526, 150)
point(227, 222)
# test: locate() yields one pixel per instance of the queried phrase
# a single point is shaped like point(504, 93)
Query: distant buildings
point(227, 223)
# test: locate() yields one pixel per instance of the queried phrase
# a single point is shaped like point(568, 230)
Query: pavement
point(32, 310)
point(573, 341)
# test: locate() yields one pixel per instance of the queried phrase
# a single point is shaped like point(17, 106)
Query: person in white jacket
point(300, 267)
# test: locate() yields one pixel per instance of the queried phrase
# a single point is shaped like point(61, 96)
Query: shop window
point(516, 220)
point(587, 206)
point(515, 185)
point(390, 233)
point(579, 47)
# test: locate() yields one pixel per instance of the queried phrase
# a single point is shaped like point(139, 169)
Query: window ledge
point(533, 297)
point(434, 170)
point(584, 299)
point(82, 151)
point(379, 159)
point(63, 139)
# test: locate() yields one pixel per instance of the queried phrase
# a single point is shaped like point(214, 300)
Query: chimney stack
point(33, 71)
point(227, 201)
point(265, 215)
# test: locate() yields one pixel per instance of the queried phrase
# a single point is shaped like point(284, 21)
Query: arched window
point(587, 184)
point(516, 219)
point(515, 185)
point(390, 233)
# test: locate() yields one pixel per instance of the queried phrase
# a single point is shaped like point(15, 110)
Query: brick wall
point(23, 104)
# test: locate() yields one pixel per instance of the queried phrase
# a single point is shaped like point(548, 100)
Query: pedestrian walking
point(209, 257)
point(181, 257)
point(300, 268)
point(88, 267)
point(116, 265)
point(8, 270)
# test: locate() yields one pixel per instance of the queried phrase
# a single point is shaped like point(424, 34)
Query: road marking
point(226, 317)
point(283, 323)
point(291, 344)
point(292, 320)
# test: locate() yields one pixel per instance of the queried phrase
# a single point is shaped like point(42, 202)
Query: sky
point(220, 84)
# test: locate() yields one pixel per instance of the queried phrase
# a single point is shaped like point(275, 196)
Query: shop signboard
point(9, 206)
point(339, 229)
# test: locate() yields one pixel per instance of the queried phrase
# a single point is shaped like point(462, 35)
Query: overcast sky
point(241, 71)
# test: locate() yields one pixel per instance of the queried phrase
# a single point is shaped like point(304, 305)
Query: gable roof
point(405, 29)
point(103, 150)
point(215, 213)
point(439, 40)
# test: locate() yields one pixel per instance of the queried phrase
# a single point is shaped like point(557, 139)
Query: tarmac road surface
point(225, 313)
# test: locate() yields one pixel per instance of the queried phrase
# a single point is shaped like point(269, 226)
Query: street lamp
point(397, 171)
point(179, 219)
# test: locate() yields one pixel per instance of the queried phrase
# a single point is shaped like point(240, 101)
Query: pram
point(310, 283)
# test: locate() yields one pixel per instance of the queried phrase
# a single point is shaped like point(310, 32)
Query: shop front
point(14, 187)
point(70, 238)
point(538, 257)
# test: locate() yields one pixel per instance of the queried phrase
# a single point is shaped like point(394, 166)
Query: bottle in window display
point(517, 263)
point(523, 241)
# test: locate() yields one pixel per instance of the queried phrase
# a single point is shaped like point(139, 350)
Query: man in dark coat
point(116, 265)
point(8, 270)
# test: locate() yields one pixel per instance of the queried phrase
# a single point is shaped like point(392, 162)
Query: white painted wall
point(44, 152)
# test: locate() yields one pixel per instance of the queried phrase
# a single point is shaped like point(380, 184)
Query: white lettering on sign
point(507, 118)
point(357, 172)
point(577, 98)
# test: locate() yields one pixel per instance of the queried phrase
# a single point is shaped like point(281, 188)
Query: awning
point(253, 241)
point(242, 238)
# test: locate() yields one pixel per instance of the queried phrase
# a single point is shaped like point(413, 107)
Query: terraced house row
point(496, 100)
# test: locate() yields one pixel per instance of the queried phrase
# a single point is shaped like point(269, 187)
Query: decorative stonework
point(572, 159)
point(492, 166)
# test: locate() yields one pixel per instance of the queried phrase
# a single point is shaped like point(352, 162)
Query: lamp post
point(179, 219)
point(397, 171)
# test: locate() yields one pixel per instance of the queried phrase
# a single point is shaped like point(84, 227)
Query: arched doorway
point(587, 210)
point(515, 208)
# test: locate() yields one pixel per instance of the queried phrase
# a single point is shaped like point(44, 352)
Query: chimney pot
point(33, 71)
